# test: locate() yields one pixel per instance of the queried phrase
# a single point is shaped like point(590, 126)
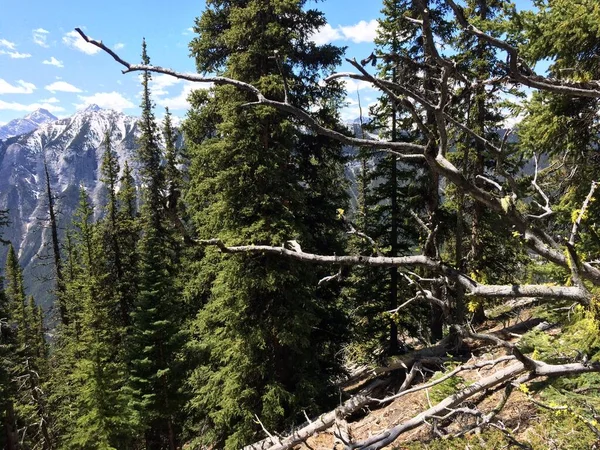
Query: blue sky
point(44, 64)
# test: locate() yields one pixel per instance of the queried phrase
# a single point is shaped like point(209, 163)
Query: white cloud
point(363, 31)
point(326, 34)
point(118, 46)
point(53, 62)
point(180, 102)
point(50, 100)
point(22, 87)
point(62, 86)
point(353, 111)
point(356, 85)
point(39, 37)
point(14, 106)
point(15, 55)
point(110, 100)
point(9, 48)
point(7, 44)
point(74, 40)
point(159, 83)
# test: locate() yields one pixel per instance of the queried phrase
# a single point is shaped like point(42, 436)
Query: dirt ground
point(516, 414)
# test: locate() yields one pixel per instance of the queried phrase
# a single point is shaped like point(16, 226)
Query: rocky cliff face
point(26, 124)
point(73, 149)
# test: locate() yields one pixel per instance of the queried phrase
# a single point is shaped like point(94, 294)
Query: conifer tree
point(257, 177)
point(27, 368)
point(174, 182)
point(480, 236)
point(97, 410)
point(562, 128)
point(393, 192)
point(56, 257)
point(111, 227)
point(127, 233)
point(15, 291)
point(155, 339)
point(8, 424)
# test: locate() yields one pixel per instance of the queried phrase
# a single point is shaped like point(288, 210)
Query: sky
point(45, 64)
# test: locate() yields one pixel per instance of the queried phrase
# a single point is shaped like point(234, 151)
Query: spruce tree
point(155, 337)
point(8, 430)
point(127, 235)
point(26, 364)
point(392, 191)
point(111, 228)
point(484, 247)
point(94, 406)
point(257, 176)
point(8, 433)
point(56, 256)
point(561, 128)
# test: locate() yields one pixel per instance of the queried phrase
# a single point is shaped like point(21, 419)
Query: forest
point(238, 298)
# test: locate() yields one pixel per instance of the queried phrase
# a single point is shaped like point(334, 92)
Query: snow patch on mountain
point(26, 124)
point(72, 148)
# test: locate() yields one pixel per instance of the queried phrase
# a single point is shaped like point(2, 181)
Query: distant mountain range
point(26, 124)
point(72, 148)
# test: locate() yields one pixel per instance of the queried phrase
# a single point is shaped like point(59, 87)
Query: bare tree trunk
point(10, 428)
point(35, 390)
point(393, 347)
point(60, 282)
point(479, 127)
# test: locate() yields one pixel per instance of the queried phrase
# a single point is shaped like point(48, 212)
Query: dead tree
point(58, 273)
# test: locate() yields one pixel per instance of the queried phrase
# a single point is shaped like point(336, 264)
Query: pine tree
point(392, 194)
point(94, 406)
point(26, 365)
point(174, 182)
point(56, 256)
point(8, 430)
point(478, 250)
point(155, 335)
point(127, 233)
point(110, 229)
point(560, 129)
point(257, 177)
point(15, 291)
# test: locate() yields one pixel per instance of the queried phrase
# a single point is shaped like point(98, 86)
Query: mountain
point(26, 124)
point(73, 149)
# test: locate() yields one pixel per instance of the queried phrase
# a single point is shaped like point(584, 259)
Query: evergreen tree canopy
point(257, 176)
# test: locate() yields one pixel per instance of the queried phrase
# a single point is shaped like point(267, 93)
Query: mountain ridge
point(72, 149)
point(26, 124)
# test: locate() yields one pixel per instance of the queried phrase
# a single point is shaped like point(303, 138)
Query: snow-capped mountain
point(73, 149)
point(26, 124)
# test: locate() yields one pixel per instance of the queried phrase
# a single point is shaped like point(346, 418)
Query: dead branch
point(582, 212)
point(473, 288)
point(546, 207)
point(499, 377)
point(534, 237)
point(446, 376)
point(519, 72)
point(324, 422)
